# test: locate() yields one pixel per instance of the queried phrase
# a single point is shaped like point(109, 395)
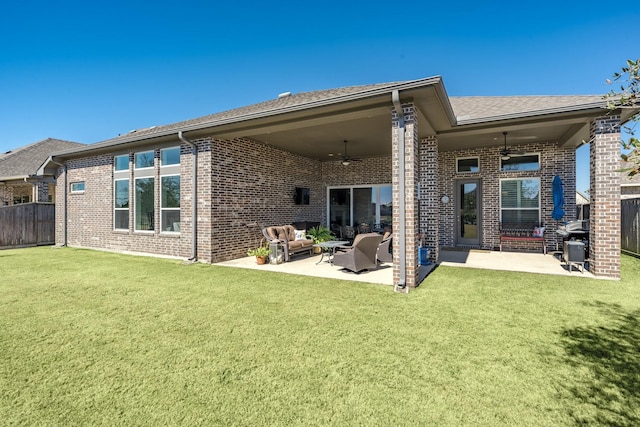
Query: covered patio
point(306, 265)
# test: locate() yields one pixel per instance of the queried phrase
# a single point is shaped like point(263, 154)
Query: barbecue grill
point(575, 238)
point(574, 230)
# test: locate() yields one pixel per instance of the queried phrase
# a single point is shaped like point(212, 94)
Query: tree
point(628, 97)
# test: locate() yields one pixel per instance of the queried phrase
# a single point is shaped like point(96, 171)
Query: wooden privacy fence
point(630, 226)
point(27, 224)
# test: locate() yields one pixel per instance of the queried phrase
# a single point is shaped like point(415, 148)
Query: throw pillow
point(538, 231)
point(301, 234)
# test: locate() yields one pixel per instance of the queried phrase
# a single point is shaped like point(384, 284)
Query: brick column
point(604, 238)
point(429, 189)
point(411, 220)
point(61, 207)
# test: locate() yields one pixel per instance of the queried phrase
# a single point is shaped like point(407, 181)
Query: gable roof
point(24, 161)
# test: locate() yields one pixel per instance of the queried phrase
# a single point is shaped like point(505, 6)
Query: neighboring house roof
point(24, 161)
point(625, 179)
point(581, 199)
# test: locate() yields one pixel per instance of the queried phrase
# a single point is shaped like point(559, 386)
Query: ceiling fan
point(505, 153)
point(346, 159)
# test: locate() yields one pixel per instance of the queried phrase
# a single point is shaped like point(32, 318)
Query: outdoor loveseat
point(286, 236)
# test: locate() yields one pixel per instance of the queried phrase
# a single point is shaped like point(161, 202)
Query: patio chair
point(362, 255)
point(384, 248)
point(364, 228)
point(348, 232)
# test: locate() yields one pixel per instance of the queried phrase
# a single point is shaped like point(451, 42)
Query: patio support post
point(604, 182)
point(429, 192)
point(405, 195)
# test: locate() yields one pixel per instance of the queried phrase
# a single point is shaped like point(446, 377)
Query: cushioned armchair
point(384, 248)
point(362, 254)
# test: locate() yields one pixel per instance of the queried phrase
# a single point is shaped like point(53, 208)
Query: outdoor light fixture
point(505, 152)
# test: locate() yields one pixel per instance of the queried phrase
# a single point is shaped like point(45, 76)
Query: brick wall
point(604, 248)
point(90, 213)
point(252, 186)
point(429, 197)
point(242, 186)
point(554, 160)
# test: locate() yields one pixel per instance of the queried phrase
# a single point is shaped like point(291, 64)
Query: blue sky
point(88, 71)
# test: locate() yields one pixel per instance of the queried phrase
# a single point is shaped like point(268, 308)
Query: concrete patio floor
point(307, 265)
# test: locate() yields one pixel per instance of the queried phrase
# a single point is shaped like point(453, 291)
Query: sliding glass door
point(356, 205)
point(340, 206)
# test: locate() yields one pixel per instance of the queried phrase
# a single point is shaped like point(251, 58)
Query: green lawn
point(94, 338)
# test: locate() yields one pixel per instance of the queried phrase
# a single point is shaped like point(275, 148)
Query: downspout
point(64, 208)
point(194, 199)
point(402, 281)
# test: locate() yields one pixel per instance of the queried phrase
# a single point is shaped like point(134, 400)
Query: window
point(121, 204)
point(77, 187)
point(121, 163)
point(170, 156)
point(156, 187)
point(170, 203)
point(144, 204)
point(520, 201)
point(170, 189)
point(143, 159)
point(526, 162)
point(469, 164)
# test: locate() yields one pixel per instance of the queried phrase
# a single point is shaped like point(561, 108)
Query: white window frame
point(115, 162)
point(163, 209)
point(146, 167)
point(73, 187)
point(162, 165)
point(141, 173)
point(466, 158)
point(539, 208)
point(128, 209)
point(172, 169)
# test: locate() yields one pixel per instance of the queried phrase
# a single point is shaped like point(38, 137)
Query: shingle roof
point(466, 109)
point(469, 108)
point(476, 108)
point(625, 179)
point(270, 106)
point(24, 161)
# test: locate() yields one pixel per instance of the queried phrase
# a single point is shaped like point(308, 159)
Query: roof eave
point(13, 178)
point(595, 107)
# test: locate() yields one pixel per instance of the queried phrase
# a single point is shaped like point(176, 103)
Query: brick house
point(17, 181)
point(429, 164)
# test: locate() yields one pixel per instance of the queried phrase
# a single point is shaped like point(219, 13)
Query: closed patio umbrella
point(558, 202)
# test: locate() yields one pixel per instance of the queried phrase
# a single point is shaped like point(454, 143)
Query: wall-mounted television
point(301, 196)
